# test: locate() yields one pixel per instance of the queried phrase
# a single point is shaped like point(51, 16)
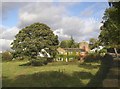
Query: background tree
point(31, 39)
point(64, 43)
point(93, 43)
point(69, 43)
point(110, 31)
point(7, 56)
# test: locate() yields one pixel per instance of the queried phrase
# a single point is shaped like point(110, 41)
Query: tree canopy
point(93, 43)
point(31, 39)
point(69, 43)
point(110, 30)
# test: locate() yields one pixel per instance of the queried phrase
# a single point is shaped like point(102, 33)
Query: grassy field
point(55, 74)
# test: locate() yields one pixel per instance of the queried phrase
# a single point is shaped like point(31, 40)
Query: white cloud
point(80, 29)
point(41, 12)
point(28, 1)
point(6, 37)
point(9, 34)
point(61, 35)
point(5, 44)
point(57, 17)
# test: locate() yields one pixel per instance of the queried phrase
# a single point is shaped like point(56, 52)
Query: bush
point(73, 57)
point(102, 52)
point(39, 61)
point(98, 55)
point(92, 57)
point(50, 59)
point(35, 62)
point(7, 56)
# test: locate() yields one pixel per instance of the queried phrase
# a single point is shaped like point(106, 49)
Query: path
point(113, 77)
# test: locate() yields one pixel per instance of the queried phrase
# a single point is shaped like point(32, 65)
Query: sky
point(81, 20)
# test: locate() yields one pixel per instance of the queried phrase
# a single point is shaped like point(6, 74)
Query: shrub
point(40, 61)
point(102, 52)
point(50, 59)
point(98, 55)
point(7, 56)
point(92, 57)
point(35, 62)
point(73, 57)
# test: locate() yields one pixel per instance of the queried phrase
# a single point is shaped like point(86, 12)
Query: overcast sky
point(81, 20)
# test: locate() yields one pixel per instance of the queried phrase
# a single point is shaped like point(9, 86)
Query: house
point(73, 50)
point(69, 53)
point(84, 45)
point(66, 51)
point(80, 52)
point(61, 51)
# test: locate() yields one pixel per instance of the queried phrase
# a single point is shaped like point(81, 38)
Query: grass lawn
point(55, 74)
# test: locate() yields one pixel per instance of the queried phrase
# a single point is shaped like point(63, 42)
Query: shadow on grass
point(106, 64)
point(83, 75)
point(88, 66)
point(47, 79)
point(60, 79)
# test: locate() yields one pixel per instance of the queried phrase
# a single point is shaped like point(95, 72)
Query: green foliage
point(65, 44)
point(102, 52)
point(94, 56)
point(93, 43)
point(73, 57)
point(7, 56)
point(110, 29)
point(39, 61)
point(69, 44)
point(31, 39)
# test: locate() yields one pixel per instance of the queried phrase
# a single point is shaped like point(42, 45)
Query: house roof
point(60, 49)
point(69, 50)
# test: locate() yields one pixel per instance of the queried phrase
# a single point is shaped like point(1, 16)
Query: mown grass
point(55, 74)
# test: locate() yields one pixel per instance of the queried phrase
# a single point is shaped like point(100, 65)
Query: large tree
point(31, 39)
point(110, 30)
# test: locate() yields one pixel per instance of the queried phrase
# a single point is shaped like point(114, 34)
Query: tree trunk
point(116, 52)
